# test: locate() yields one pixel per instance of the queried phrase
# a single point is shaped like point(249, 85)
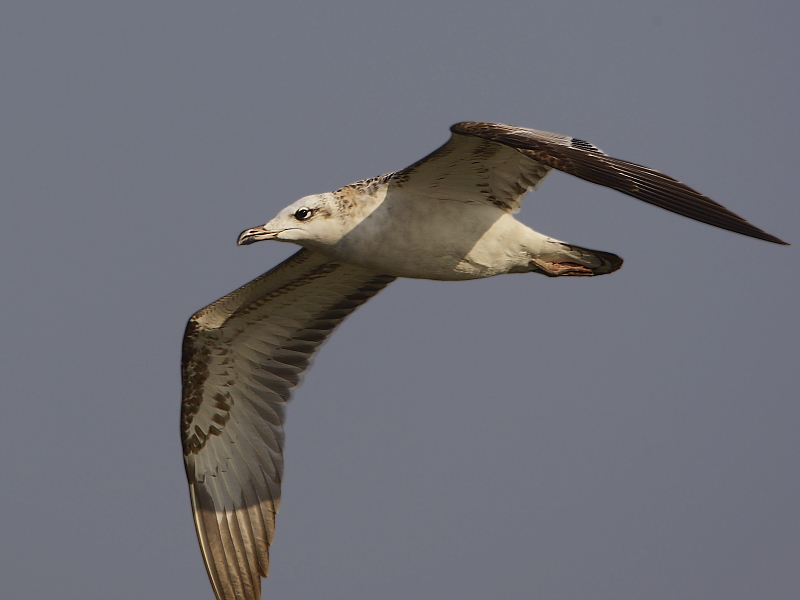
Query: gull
point(449, 216)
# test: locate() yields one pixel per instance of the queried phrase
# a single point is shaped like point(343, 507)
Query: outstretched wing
point(472, 169)
point(242, 355)
point(477, 145)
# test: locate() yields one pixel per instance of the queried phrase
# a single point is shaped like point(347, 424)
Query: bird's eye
point(303, 214)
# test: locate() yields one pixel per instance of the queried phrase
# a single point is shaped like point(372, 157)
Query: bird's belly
point(448, 243)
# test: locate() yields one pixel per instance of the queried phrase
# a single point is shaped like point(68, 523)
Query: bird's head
point(308, 222)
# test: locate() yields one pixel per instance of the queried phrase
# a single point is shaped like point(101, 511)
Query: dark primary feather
point(242, 357)
point(582, 159)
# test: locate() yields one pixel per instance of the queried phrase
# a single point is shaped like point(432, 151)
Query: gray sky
point(630, 436)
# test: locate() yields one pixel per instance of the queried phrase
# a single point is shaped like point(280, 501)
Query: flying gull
point(448, 216)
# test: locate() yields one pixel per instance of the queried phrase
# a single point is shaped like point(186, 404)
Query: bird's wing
point(242, 355)
point(479, 162)
point(472, 169)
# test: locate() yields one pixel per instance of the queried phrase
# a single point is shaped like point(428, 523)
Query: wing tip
point(775, 240)
point(759, 235)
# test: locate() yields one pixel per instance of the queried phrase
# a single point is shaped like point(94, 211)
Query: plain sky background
point(633, 436)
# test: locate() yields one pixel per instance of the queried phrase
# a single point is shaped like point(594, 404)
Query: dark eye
point(303, 214)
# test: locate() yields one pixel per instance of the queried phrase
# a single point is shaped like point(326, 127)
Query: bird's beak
point(256, 234)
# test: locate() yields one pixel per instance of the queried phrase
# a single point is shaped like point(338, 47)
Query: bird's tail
point(562, 259)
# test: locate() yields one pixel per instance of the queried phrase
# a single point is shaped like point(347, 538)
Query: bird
point(448, 216)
